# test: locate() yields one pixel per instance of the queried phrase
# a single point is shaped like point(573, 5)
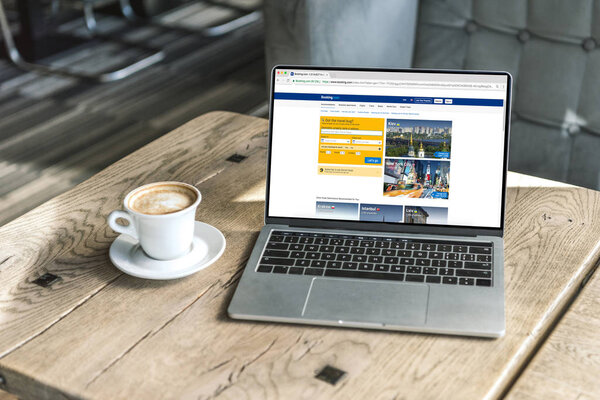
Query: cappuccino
point(162, 198)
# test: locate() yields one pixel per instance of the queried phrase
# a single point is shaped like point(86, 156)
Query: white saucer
point(208, 245)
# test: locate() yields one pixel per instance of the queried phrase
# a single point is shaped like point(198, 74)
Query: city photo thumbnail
point(425, 215)
point(418, 138)
point(425, 179)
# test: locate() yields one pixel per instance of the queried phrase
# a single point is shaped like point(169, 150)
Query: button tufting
point(471, 26)
point(573, 129)
point(589, 44)
point(523, 36)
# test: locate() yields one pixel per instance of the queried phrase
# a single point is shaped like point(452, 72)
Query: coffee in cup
point(161, 217)
point(160, 199)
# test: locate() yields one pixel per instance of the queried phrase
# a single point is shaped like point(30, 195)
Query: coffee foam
point(162, 199)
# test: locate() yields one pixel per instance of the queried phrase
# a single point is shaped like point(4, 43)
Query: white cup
point(162, 236)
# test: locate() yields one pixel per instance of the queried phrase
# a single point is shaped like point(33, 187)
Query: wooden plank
point(568, 364)
point(27, 252)
point(133, 338)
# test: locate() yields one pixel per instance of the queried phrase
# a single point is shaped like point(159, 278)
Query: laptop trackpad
point(366, 301)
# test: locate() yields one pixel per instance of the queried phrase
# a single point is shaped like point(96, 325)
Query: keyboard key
point(291, 239)
point(321, 240)
point(438, 263)
point(429, 247)
point(326, 249)
point(476, 265)
point(420, 254)
point(397, 245)
point(278, 269)
point(351, 243)
point(365, 267)
point(455, 264)
point(467, 257)
point(413, 246)
point(297, 254)
point(382, 268)
point(313, 271)
point(311, 247)
point(415, 278)
point(449, 280)
point(264, 268)
point(452, 256)
point(413, 270)
point(436, 255)
point(483, 282)
point(278, 261)
point(296, 271)
point(364, 274)
point(474, 274)
point(306, 240)
point(373, 252)
point(423, 261)
point(460, 249)
point(313, 255)
point(357, 250)
point(334, 264)
point(302, 263)
point(318, 263)
point(391, 260)
point(276, 253)
point(433, 279)
point(349, 265)
point(328, 256)
point(359, 258)
point(407, 261)
point(430, 271)
point(444, 247)
point(375, 259)
point(404, 253)
point(480, 250)
point(466, 281)
point(296, 247)
point(336, 242)
point(367, 243)
point(484, 258)
point(276, 239)
point(277, 246)
point(342, 250)
point(388, 252)
point(446, 271)
point(382, 245)
point(397, 268)
point(344, 257)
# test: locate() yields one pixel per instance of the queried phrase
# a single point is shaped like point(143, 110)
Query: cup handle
point(128, 230)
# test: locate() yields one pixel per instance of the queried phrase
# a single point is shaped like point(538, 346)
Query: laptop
point(384, 201)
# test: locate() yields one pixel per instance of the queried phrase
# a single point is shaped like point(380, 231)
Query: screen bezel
point(396, 227)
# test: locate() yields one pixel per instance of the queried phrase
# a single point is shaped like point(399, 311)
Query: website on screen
point(416, 148)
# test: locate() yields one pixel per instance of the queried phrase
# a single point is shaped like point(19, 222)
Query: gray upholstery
point(551, 47)
point(372, 33)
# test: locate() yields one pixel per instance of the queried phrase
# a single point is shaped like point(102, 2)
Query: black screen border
point(397, 227)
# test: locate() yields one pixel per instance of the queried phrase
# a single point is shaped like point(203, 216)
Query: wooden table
point(97, 333)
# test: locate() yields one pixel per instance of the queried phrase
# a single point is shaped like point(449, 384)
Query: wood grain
point(131, 338)
point(568, 364)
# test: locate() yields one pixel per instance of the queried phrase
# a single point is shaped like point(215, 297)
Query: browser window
point(396, 147)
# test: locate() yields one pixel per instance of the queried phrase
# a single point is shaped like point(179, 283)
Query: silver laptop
point(385, 201)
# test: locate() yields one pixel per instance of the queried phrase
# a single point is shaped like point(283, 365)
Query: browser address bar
point(403, 84)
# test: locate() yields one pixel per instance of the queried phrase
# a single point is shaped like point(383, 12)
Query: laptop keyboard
point(442, 262)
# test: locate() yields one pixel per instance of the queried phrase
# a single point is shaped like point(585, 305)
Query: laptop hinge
point(410, 229)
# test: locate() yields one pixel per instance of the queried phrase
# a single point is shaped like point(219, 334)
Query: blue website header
point(448, 101)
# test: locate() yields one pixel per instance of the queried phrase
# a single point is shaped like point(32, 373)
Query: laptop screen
point(388, 146)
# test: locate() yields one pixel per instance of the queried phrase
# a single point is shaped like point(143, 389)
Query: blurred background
point(83, 83)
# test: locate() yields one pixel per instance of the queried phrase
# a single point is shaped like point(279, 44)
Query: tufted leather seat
point(551, 49)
